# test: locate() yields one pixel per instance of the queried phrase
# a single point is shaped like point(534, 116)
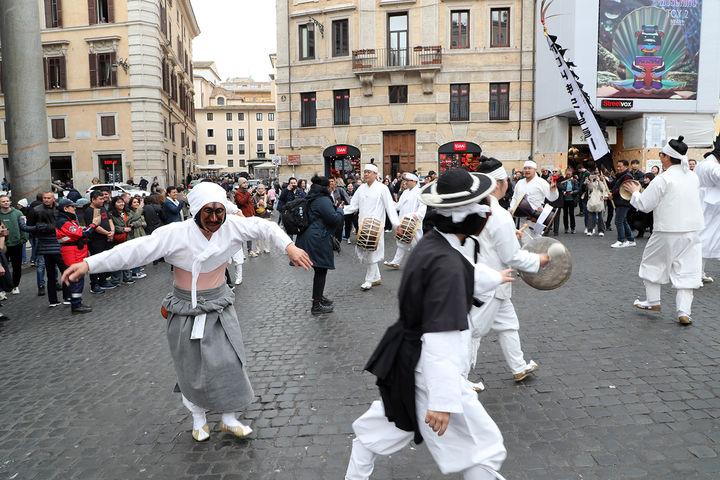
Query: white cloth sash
point(198, 329)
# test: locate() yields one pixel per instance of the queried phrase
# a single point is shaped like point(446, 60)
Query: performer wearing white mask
point(423, 359)
point(373, 199)
point(673, 252)
point(534, 187)
point(409, 205)
point(500, 250)
point(203, 330)
point(708, 172)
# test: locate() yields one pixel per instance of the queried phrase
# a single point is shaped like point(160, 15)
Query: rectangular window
point(499, 101)
point(209, 116)
point(271, 117)
point(259, 147)
point(107, 126)
point(500, 27)
point(210, 149)
point(101, 71)
point(229, 134)
point(57, 128)
point(228, 116)
point(230, 162)
point(460, 29)
point(258, 117)
point(259, 133)
point(271, 149)
point(397, 39)
point(55, 77)
point(53, 14)
point(241, 149)
point(271, 134)
point(459, 102)
point(229, 149)
point(340, 42)
point(307, 41)
point(241, 117)
point(210, 132)
point(100, 11)
point(341, 107)
point(307, 109)
point(211, 162)
point(397, 93)
point(241, 134)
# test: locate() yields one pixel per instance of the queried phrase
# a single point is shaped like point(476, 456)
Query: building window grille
point(459, 102)
point(499, 101)
point(307, 109)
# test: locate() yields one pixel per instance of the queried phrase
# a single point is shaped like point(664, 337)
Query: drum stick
point(609, 191)
point(522, 229)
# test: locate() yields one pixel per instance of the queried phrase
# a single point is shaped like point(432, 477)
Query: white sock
point(230, 420)
point(198, 414)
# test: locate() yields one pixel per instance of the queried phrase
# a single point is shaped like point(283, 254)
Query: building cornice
point(317, 11)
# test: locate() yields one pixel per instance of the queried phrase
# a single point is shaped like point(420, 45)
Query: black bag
point(6, 282)
point(295, 216)
point(335, 243)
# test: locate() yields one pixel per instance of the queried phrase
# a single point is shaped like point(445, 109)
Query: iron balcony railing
point(397, 58)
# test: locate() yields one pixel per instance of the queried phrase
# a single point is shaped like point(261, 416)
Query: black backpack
point(295, 216)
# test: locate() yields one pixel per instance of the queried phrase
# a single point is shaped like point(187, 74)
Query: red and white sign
point(341, 150)
point(460, 146)
point(293, 159)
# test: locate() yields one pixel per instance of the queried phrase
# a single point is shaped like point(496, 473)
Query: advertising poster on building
point(649, 49)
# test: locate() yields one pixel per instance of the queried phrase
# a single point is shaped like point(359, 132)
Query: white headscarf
point(372, 167)
point(460, 213)
point(530, 163)
point(671, 152)
point(411, 176)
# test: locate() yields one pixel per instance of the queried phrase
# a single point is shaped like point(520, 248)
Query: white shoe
point(586, 231)
point(3, 296)
point(645, 305)
point(238, 281)
point(618, 244)
point(478, 386)
point(629, 243)
point(601, 234)
point(589, 234)
point(252, 254)
point(349, 241)
point(366, 286)
point(706, 278)
point(16, 291)
point(267, 250)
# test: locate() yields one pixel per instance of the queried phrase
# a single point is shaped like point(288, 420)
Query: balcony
point(427, 60)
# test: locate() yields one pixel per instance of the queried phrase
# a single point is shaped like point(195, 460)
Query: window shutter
point(58, 128)
point(59, 13)
point(93, 70)
point(113, 71)
point(107, 126)
point(63, 74)
point(48, 13)
point(92, 12)
point(45, 73)
point(111, 11)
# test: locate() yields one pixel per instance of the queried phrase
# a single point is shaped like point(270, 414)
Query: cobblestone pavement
point(620, 393)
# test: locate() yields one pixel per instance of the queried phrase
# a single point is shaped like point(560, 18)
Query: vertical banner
point(584, 111)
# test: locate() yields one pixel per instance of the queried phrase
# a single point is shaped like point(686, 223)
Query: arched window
point(221, 100)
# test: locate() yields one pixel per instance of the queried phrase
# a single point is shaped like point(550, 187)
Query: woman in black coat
point(317, 242)
point(153, 213)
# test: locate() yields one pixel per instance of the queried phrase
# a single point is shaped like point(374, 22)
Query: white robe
point(536, 191)
point(409, 205)
point(673, 253)
point(373, 201)
point(708, 172)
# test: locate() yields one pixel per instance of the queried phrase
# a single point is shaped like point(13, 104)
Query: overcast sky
point(237, 34)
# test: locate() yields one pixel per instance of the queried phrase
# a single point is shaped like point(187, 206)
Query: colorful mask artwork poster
point(649, 49)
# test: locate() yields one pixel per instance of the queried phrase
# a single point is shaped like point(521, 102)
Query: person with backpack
point(324, 218)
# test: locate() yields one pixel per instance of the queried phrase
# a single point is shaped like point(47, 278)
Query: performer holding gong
point(412, 212)
point(500, 250)
point(534, 188)
point(673, 252)
point(373, 201)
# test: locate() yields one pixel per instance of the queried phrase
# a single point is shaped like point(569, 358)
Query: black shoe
point(3, 317)
point(318, 308)
point(97, 289)
point(54, 304)
point(107, 286)
point(41, 291)
point(326, 301)
point(58, 287)
point(82, 309)
point(128, 282)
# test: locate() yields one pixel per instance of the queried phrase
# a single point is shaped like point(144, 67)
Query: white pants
point(683, 297)
point(498, 315)
point(402, 250)
point(372, 274)
point(238, 260)
point(674, 258)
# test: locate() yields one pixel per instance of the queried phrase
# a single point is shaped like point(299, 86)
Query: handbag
point(121, 237)
point(335, 243)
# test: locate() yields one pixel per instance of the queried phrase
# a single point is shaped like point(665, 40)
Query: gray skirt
point(210, 370)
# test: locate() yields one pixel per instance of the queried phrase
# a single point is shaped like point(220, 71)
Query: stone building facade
point(118, 77)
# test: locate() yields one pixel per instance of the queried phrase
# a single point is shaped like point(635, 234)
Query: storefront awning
point(460, 147)
point(264, 165)
point(341, 151)
point(210, 167)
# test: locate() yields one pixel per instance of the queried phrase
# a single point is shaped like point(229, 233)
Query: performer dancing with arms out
point(500, 249)
point(422, 360)
point(535, 188)
point(373, 199)
point(203, 330)
point(708, 172)
point(673, 252)
point(409, 205)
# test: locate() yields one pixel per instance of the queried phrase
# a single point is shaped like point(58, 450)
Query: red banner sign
point(293, 160)
point(460, 146)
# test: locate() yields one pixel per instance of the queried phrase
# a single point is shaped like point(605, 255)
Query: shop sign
point(341, 150)
point(616, 104)
point(293, 160)
point(460, 146)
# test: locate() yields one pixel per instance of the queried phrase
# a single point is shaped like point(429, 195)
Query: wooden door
point(398, 152)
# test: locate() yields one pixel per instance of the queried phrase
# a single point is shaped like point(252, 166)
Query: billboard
point(649, 49)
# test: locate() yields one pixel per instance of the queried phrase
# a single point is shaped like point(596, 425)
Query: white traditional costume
point(373, 201)
point(673, 252)
point(423, 359)
point(203, 330)
point(708, 172)
point(535, 190)
point(500, 250)
point(409, 205)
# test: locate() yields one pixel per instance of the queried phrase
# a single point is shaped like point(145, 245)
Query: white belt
point(198, 327)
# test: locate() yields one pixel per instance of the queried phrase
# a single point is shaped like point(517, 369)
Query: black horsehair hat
point(457, 187)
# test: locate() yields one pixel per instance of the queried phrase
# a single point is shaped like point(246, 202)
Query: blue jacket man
point(172, 208)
